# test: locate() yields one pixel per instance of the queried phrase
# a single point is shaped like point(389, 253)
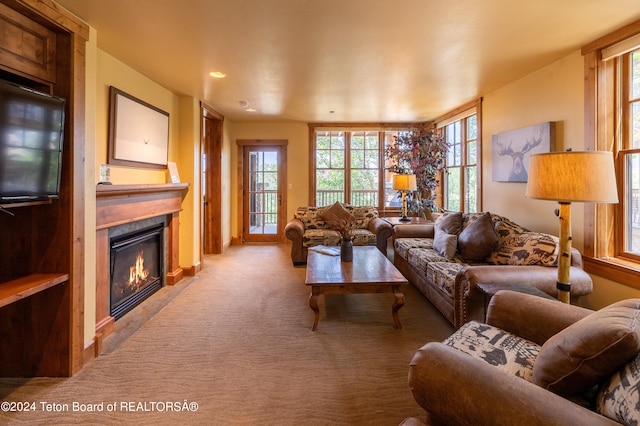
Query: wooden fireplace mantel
point(121, 204)
point(118, 204)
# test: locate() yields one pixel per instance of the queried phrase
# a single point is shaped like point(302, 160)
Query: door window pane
point(263, 192)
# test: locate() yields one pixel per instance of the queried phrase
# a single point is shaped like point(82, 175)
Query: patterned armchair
point(309, 229)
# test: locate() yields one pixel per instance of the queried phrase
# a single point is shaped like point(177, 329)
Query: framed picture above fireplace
point(138, 132)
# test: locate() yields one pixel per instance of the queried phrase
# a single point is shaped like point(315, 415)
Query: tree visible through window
point(630, 153)
point(461, 180)
point(349, 164)
point(612, 232)
point(349, 167)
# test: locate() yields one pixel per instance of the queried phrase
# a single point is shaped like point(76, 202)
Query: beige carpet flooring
point(234, 344)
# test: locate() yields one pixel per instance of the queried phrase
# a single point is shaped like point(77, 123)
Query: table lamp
point(404, 184)
point(566, 177)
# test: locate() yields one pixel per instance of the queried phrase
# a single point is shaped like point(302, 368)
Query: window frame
point(462, 114)
point(603, 253)
point(381, 128)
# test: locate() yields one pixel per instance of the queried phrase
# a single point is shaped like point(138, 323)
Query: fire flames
point(137, 273)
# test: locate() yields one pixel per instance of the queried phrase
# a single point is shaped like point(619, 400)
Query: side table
point(490, 289)
point(395, 220)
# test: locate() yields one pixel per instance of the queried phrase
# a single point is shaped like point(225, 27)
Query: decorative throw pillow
point(478, 239)
point(590, 350)
point(505, 351)
point(619, 397)
point(445, 244)
point(335, 213)
point(449, 223)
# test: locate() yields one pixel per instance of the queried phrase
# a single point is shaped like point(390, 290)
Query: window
point(349, 167)
point(630, 157)
point(612, 232)
point(461, 187)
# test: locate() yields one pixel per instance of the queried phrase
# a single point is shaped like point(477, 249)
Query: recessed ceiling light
point(251, 110)
point(243, 103)
point(217, 74)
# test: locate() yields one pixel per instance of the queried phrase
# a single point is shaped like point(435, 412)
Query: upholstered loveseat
point(309, 228)
point(535, 362)
point(447, 260)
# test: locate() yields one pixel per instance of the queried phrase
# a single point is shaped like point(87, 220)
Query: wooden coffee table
point(370, 272)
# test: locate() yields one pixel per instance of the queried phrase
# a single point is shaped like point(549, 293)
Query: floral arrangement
point(422, 152)
point(344, 227)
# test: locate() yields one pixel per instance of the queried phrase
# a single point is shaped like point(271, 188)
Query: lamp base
point(405, 219)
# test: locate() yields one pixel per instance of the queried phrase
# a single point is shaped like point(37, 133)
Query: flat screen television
point(31, 141)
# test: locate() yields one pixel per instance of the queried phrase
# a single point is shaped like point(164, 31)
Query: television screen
point(31, 139)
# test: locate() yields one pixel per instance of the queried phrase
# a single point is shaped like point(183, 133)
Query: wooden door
point(264, 209)
point(211, 182)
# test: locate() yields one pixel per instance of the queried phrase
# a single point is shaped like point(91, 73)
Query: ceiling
point(344, 60)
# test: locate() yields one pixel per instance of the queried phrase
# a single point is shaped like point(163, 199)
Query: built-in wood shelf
point(15, 290)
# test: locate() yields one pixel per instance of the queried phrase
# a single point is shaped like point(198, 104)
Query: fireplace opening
point(136, 268)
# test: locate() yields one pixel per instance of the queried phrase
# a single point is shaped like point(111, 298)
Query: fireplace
point(124, 210)
point(136, 267)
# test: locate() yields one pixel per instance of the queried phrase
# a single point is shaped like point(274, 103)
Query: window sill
point(622, 271)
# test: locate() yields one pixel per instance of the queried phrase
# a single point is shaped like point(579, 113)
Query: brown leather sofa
point(451, 283)
point(587, 367)
point(309, 229)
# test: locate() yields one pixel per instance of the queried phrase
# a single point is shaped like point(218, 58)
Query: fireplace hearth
point(136, 268)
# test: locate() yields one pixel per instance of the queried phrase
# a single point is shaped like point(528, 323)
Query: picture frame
point(512, 150)
point(138, 132)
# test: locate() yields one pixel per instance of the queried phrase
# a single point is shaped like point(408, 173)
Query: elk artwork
point(518, 172)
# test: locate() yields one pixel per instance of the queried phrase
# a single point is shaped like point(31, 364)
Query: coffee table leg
point(313, 303)
point(397, 304)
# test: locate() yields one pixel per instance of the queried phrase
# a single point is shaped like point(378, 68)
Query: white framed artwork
point(138, 132)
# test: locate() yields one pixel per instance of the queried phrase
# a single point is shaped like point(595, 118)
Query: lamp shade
point(573, 176)
point(404, 182)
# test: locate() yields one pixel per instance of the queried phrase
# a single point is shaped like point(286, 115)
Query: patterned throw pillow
point(505, 351)
point(519, 246)
point(309, 217)
point(619, 397)
point(364, 215)
point(529, 248)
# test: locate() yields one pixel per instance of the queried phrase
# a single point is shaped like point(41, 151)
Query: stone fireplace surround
point(124, 205)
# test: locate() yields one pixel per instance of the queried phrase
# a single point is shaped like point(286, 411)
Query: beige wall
point(112, 72)
point(103, 71)
point(184, 142)
point(187, 159)
point(554, 93)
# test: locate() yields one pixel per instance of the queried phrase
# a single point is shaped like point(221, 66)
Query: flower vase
point(346, 250)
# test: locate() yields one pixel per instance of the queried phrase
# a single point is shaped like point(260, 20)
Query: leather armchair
point(456, 388)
